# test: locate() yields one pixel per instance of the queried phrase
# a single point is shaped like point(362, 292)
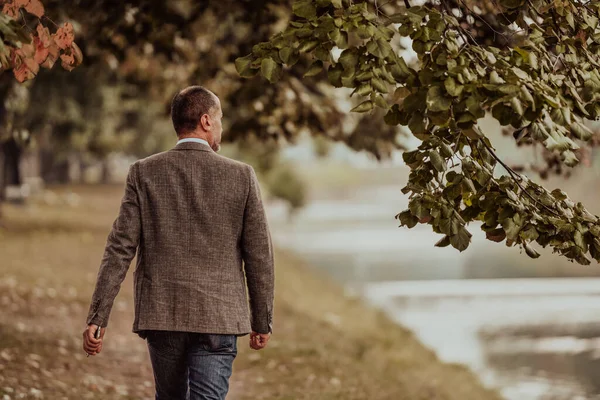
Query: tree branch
point(406, 4)
point(516, 178)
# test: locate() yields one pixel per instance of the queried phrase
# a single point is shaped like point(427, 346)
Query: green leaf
point(529, 233)
point(417, 209)
point(437, 161)
point(379, 85)
point(242, 65)
point(407, 219)
point(569, 158)
point(495, 78)
point(559, 194)
point(348, 58)
point(285, 54)
point(304, 9)
point(308, 45)
point(497, 235)
point(363, 107)
point(337, 3)
point(580, 131)
point(364, 76)
point(520, 73)
point(365, 31)
point(415, 102)
point(314, 69)
point(392, 117)
point(516, 105)
point(443, 242)
point(436, 101)
point(379, 48)
point(340, 38)
point(570, 20)
point(512, 3)
point(531, 252)
point(334, 75)
point(348, 76)
point(527, 96)
point(470, 186)
point(533, 60)
point(461, 240)
point(446, 151)
point(364, 89)
point(380, 102)
point(270, 70)
point(452, 87)
point(400, 71)
point(512, 227)
point(416, 124)
point(323, 54)
point(449, 226)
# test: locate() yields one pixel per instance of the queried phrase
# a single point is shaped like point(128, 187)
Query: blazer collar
point(192, 146)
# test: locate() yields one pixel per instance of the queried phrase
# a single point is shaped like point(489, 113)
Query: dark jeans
point(191, 366)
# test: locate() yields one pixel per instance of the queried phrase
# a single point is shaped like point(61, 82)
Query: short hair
point(189, 105)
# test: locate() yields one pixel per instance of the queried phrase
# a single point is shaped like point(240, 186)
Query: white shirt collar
point(195, 140)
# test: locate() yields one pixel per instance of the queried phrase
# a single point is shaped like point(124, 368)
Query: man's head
point(196, 112)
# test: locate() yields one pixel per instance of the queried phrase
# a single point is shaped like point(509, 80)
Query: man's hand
point(91, 345)
point(258, 341)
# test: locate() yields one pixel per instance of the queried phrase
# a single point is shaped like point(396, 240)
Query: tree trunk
point(2, 174)
point(53, 171)
point(6, 84)
point(2, 183)
point(106, 175)
point(12, 162)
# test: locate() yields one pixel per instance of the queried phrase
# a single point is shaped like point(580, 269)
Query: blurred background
point(331, 182)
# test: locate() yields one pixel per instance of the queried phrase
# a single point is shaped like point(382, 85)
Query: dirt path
point(326, 346)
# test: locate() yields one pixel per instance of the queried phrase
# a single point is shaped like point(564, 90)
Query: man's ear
point(205, 122)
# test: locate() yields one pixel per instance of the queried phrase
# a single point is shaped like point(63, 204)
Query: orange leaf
point(20, 3)
point(67, 60)
point(77, 54)
point(5, 57)
point(44, 35)
point(35, 7)
point(41, 52)
point(64, 36)
point(53, 53)
point(10, 9)
point(28, 50)
point(27, 53)
point(20, 70)
point(581, 37)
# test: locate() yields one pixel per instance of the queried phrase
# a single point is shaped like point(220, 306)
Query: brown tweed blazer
point(193, 216)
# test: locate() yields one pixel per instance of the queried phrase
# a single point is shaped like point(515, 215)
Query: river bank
point(524, 326)
point(326, 345)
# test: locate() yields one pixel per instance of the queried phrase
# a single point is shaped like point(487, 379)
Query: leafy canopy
point(25, 50)
point(542, 82)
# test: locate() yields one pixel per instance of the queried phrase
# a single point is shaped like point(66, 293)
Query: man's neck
point(193, 135)
point(193, 139)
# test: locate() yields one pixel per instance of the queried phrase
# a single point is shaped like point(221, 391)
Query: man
point(192, 216)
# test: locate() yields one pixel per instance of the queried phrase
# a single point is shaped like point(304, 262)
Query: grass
point(325, 345)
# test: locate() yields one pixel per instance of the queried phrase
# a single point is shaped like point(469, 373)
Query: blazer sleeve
point(257, 252)
point(121, 246)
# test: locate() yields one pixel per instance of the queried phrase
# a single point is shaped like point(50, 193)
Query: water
point(530, 338)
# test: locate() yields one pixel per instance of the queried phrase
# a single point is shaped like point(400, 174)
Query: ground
point(326, 345)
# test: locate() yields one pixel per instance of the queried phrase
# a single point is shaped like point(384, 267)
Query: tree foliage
point(25, 48)
point(539, 77)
